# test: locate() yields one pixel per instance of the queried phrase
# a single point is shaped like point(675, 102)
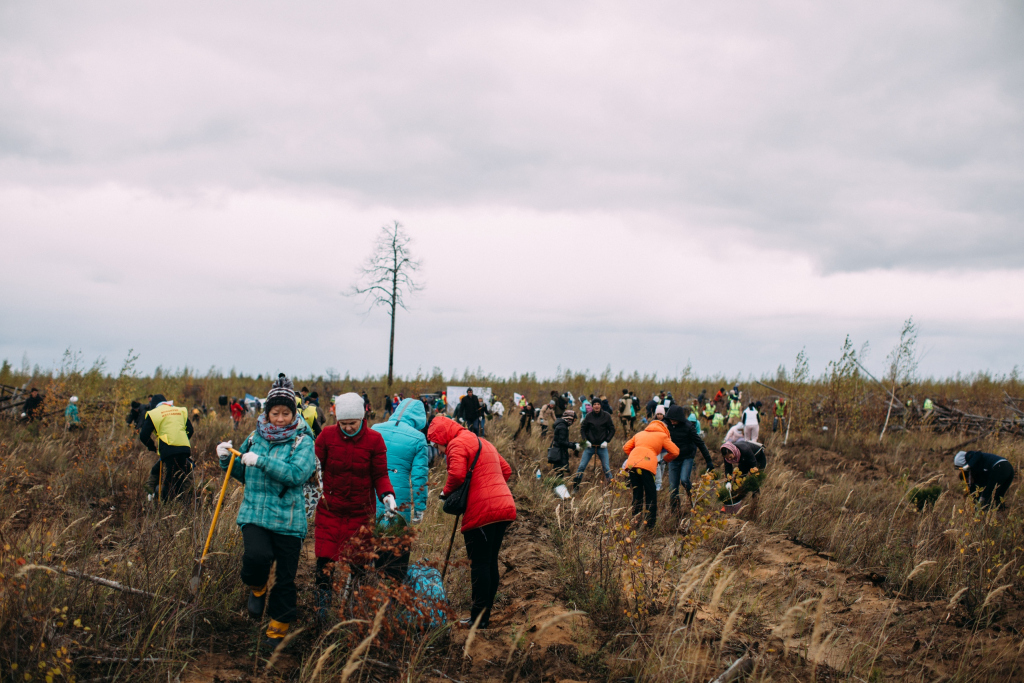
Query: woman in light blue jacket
point(407, 458)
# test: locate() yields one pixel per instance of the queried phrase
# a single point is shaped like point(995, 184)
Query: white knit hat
point(73, 399)
point(960, 459)
point(349, 407)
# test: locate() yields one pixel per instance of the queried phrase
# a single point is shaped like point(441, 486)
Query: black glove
point(442, 497)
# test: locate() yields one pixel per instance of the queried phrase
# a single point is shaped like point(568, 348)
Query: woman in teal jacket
point(407, 458)
point(277, 459)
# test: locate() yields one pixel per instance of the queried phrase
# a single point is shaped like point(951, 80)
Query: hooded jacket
point(685, 435)
point(407, 456)
point(597, 427)
point(273, 497)
point(645, 447)
point(490, 499)
point(355, 471)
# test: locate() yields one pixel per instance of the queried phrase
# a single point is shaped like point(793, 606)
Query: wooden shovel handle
point(220, 502)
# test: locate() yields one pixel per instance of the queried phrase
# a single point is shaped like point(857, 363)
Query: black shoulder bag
point(455, 502)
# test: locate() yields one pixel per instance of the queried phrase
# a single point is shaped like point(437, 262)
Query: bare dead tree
point(387, 277)
point(902, 365)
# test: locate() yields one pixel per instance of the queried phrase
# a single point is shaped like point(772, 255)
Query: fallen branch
point(95, 579)
point(741, 666)
point(139, 660)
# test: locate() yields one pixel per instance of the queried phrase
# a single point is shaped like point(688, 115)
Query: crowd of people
point(351, 475)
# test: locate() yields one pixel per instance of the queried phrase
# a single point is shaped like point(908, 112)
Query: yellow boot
point(275, 634)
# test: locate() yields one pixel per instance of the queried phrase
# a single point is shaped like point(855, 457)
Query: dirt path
point(815, 609)
point(552, 643)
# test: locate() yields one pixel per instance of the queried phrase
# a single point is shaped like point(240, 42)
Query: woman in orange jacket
point(643, 450)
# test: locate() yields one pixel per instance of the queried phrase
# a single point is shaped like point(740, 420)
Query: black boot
point(257, 603)
point(324, 598)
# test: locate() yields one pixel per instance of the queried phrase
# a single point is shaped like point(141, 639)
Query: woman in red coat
point(354, 461)
point(489, 510)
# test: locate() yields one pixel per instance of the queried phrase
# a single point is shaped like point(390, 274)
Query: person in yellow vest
point(929, 407)
point(709, 412)
point(735, 409)
point(717, 421)
point(312, 414)
point(166, 431)
point(781, 408)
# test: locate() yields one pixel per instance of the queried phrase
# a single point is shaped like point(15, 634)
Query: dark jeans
point(999, 481)
point(262, 548)
point(678, 473)
point(524, 423)
point(175, 475)
point(482, 546)
point(642, 483)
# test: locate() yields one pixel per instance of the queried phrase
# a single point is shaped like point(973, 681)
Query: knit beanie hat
point(73, 399)
point(282, 393)
point(960, 459)
point(349, 407)
point(569, 415)
point(660, 410)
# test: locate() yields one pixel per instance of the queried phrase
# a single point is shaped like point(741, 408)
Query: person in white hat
point(354, 460)
point(987, 472)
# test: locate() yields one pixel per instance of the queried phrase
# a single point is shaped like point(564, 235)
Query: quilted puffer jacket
point(355, 472)
point(490, 499)
point(643, 449)
point(407, 456)
point(273, 497)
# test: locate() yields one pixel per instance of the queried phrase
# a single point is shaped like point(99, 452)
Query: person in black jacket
point(525, 419)
point(652, 405)
point(470, 405)
point(33, 403)
point(560, 403)
point(561, 443)
point(744, 456)
point(988, 472)
point(176, 457)
point(684, 435)
point(597, 428)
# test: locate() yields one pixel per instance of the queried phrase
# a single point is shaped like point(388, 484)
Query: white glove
point(604, 444)
point(249, 459)
point(224, 450)
point(588, 444)
point(389, 503)
point(417, 517)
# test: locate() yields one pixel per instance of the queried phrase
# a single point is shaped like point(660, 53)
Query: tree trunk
point(892, 398)
point(394, 306)
point(391, 351)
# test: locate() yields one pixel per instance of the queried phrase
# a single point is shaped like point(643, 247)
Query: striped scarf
point(275, 434)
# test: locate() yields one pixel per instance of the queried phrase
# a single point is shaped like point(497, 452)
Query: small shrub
point(924, 495)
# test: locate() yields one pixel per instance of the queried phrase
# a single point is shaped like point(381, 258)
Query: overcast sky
point(639, 185)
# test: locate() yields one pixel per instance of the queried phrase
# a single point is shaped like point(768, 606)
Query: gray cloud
point(864, 134)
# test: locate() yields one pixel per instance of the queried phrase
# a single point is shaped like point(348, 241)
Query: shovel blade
point(193, 583)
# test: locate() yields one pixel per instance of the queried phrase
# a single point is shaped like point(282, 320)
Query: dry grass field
point(840, 569)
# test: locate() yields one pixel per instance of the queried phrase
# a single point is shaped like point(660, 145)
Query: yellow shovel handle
point(220, 502)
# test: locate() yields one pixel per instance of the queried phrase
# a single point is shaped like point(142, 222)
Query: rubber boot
point(324, 598)
point(257, 601)
point(275, 634)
